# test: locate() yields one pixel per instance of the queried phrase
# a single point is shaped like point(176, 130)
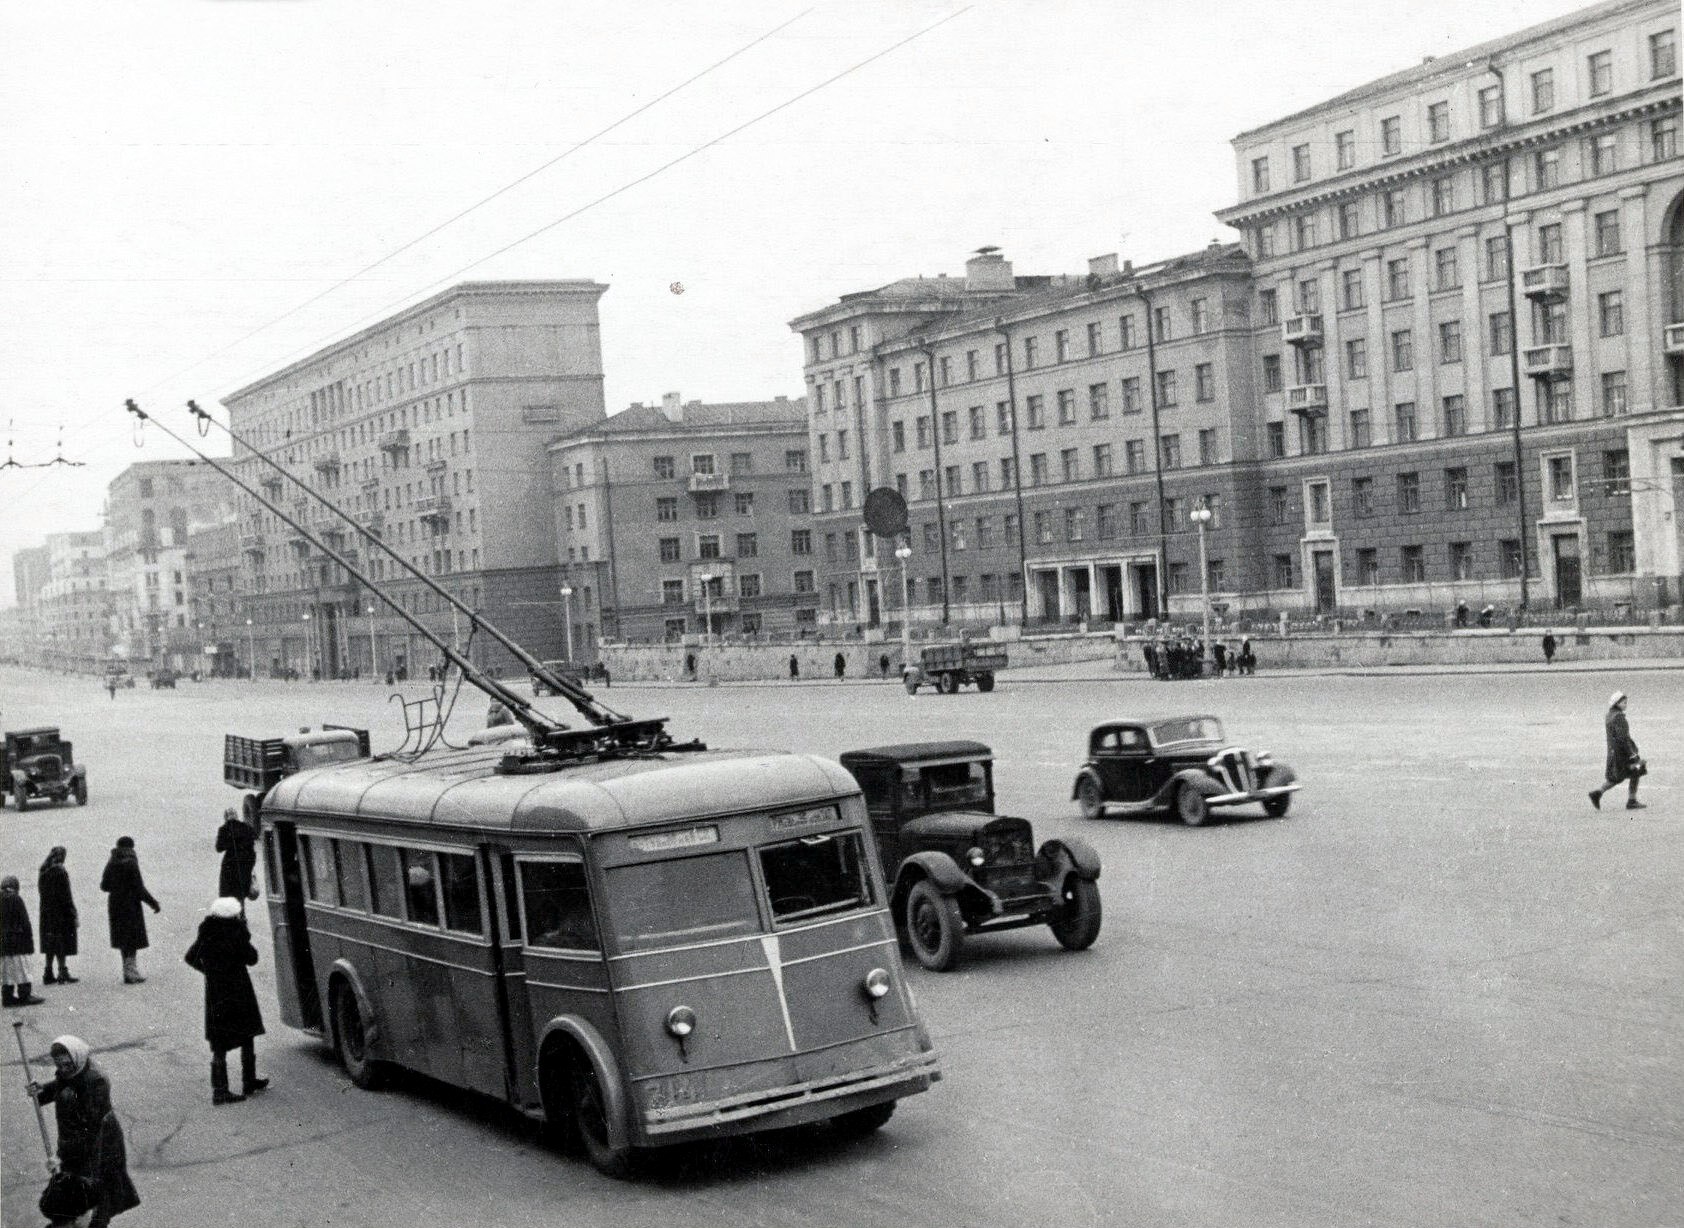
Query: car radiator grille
point(1236, 769)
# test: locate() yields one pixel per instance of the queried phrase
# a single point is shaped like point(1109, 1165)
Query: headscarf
point(78, 1049)
point(55, 857)
point(1616, 699)
point(227, 908)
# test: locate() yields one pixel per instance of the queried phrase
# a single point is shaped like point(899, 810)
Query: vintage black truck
point(37, 765)
point(948, 667)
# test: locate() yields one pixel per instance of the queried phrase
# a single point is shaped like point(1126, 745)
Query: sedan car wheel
point(1090, 798)
point(1190, 806)
point(934, 928)
point(1276, 807)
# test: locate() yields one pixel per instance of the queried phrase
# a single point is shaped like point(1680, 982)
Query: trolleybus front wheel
point(860, 1122)
point(590, 1119)
point(350, 1038)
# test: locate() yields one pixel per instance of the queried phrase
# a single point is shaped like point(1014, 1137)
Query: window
point(795, 460)
point(1555, 401)
point(1355, 297)
point(1099, 401)
point(672, 592)
point(945, 369)
point(1134, 456)
point(1444, 196)
point(1610, 313)
point(1461, 561)
point(1397, 279)
point(1125, 331)
point(1362, 431)
point(1095, 343)
point(1438, 122)
point(1613, 394)
point(1543, 90)
point(1271, 373)
point(803, 580)
point(1663, 54)
point(748, 545)
point(1279, 506)
point(459, 883)
point(1455, 415)
point(1506, 483)
point(1300, 163)
point(1508, 558)
point(1391, 136)
point(1207, 446)
point(1456, 489)
point(1031, 346)
point(666, 508)
point(1036, 413)
point(1268, 307)
point(1403, 350)
point(1038, 469)
point(321, 878)
point(1312, 434)
point(1368, 565)
point(1604, 154)
point(664, 467)
point(1500, 331)
point(1413, 562)
point(1066, 406)
point(1622, 551)
point(1070, 464)
point(984, 533)
point(683, 900)
point(1161, 323)
point(1450, 341)
point(1546, 169)
point(1497, 258)
point(950, 426)
point(1601, 68)
point(978, 422)
point(1447, 275)
point(1362, 496)
point(1317, 504)
point(1259, 175)
point(1350, 220)
point(1199, 312)
point(749, 585)
point(1616, 472)
point(1356, 358)
point(1608, 233)
point(1345, 149)
point(1403, 417)
point(1502, 408)
point(555, 898)
point(1394, 209)
point(1274, 437)
point(744, 500)
point(1104, 523)
point(1007, 473)
point(1101, 460)
point(1073, 523)
point(1491, 106)
point(1560, 473)
point(707, 546)
point(1002, 418)
point(1204, 382)
point(1043, 527)
point(1283, 571)
point(1663, 139)
point(420, 886)
point(1140, 523)
point(1169, 452)
point(707, 507)
point(669, 550)
point(1166, 389)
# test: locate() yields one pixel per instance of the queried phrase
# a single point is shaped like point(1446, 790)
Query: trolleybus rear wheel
point(350, 1038)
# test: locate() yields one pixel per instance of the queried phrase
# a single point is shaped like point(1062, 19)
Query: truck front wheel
point(985, 682)
point(934, 929)
point(947, 683)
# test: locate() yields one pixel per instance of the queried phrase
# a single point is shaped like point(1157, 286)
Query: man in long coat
point(126, 891)
point(1623, 762)
point(237, 843)
point(59, 920)
point(222, 952)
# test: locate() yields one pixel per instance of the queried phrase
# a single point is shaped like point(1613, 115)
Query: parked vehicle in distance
point(950, 666)
point(36, 765)
point(164, 677)
point(579, 672)
point(117, 675)
point(259, 764)
point(1183, 764)
point(957, 868)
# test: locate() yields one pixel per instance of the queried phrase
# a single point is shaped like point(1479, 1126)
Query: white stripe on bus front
point(769, 943)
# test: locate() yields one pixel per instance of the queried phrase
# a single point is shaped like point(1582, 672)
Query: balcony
point(1303, 330)
point(433, 507)
point(326, 463)
point(1310, 400)
point(251, 543)
point(438, 466)
point(1675, 338)
point(1547, 282)
point(708, 483)
point(1548, 361)
point(395, 441)
point(724, 573)
point(271, 483)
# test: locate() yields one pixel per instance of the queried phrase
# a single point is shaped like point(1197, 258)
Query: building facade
point(685, 519)
point(429, 429)
point(1467, 287)
point(217, 599)
point(74, 606)
point(1050, 435)
point(31, 569)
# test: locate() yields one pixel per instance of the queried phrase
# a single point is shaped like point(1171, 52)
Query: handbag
point(1637, 767)
point(68, 1195)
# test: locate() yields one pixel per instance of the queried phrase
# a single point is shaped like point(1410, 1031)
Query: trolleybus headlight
point(876, 984)
point(976, 857)
point(681, 1021)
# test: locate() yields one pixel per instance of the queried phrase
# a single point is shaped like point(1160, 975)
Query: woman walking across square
point(59, 921)
point(1624, 762)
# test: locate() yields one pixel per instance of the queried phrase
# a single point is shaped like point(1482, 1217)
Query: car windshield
point(683, 900)
point(314, 754)
point(944, 784)
point(815, 874)
point(1187, 729)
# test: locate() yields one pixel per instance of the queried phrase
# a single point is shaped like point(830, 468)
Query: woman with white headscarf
point(90, 1138)
point(1623, 763)
point(223, 952)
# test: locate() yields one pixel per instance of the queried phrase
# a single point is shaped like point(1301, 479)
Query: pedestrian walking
point(794, 667)
point(690, 665)
point(1248, 659)
point(222, 952)
point(237, 843)
point(111, 686)
point(90, 1138)
point(1549, 647)
point(1623, 762)
point(840, 665)
point(126, 892)
point(883, 664)
point(17, 945)
point(1149, 651)
point(1220, 651)
point(59, 921)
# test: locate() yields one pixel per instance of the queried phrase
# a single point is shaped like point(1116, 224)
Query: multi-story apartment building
point(430, 428)
point(74, 605)
point(1467, 278)
point(150, 508)
point(1049, 434)
point(216, 597)
point(31, 569)
point(686, 517)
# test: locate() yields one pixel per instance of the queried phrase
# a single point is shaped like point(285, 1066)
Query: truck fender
point(79, 772)
point(1086, 774)
point(1071, 851)
point(344, 970)
point(607, 1071)
point(939, 868)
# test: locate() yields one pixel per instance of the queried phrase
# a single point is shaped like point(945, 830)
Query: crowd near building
point(1443, 365)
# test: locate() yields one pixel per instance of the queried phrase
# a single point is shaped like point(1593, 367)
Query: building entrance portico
point(1111, 589)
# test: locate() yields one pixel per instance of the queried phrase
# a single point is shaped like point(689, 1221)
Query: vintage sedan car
point(1181, 764)
point(37, 765)
point(954, 867)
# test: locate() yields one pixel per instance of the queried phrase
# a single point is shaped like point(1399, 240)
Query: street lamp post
point(707, 605)
point(1201, 516)
point(903, 552)
point(309, 646)
point(373, 665)
point(251, 651)
point(567, 617)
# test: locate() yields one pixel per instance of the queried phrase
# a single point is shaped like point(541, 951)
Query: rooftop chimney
point(989, 270)
point(1102, 266)
point(672, 405)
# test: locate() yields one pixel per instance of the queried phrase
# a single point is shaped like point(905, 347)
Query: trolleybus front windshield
point(715, 895)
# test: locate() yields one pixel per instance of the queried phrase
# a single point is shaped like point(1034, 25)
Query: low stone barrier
point(1463, 647)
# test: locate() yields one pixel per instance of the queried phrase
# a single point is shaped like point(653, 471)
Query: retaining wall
point(1474, 647)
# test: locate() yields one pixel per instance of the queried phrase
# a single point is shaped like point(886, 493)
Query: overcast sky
point(179, 175)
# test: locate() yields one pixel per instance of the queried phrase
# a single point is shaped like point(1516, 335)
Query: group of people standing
point(1184, 657)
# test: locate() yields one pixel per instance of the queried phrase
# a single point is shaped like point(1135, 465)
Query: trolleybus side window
point(319, 874)
point(385, 880)
point(272, 859)
point(815, 874)
point(348, 856)
point(557, 901)
point(687, 899)
point(460, 880)
point(512, 929)
point(420, 883)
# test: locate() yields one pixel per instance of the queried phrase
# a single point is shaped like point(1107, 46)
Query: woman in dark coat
point(237, 844)
point(127, 891)
point(222, 952)
point(17, 944)
point(90, 1138)
point(59, 921)
point(1623, 762)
